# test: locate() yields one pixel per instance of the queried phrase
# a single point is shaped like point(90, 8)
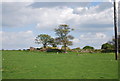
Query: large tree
point(43, 39)
point(64, 38)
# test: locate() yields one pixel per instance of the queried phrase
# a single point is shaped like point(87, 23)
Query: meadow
point(42, 65)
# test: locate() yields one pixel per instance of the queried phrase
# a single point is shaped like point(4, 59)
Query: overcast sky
point(119, 17)
point(23, 21)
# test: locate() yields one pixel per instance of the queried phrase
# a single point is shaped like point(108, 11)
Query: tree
point(63, 38)
point(43, 39)
point(88, 47)
point(107, 46)
point(53, 42)
point(113, 42)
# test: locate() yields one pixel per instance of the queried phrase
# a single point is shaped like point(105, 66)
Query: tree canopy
point(63, 35)
point(53, 42)
point(88, 47)
point(43, 39)
point(107, 46)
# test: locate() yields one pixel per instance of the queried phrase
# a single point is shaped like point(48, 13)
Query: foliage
point(107, 46)
point(43, 39)
point(53, 42)
point(113, 42)
point(67, 48)
point(88, 47)
point(78, 48)
point(63, 37)
point(54, 50)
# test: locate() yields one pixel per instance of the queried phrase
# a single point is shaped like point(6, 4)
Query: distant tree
point(88, 47)
point(43, 39)
point(53, 42)
point(67, 48)
point(63, 37)
point(113, 42)
point(107, 46)
point(76, 49)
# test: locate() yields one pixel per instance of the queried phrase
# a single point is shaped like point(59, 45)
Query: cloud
point(91, 39)
point(58, 4)
point(93, 36)
point(21, 14)
point(17, 0)
point(15, 14)
point(12, 40)
point(95, 19)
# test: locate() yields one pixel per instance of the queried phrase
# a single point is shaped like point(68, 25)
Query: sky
point(119, 18)
point(23, 21)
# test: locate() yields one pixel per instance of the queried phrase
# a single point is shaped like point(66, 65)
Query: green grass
point(42, 65)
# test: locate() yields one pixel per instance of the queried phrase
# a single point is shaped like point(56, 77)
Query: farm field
point(42, 65)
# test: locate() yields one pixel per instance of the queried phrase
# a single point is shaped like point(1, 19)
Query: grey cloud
point(15, 14)
point(18, 14)
point(104, 6)
point(97, 25)
point(58, 4)
point(17, 39)
point(94, 8)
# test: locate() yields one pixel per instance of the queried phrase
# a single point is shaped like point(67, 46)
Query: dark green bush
point(108, 51)
point(54, 50)
point(88, 47)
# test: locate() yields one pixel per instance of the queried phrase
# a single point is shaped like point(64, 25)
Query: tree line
point(63, 37)
point(110, 45)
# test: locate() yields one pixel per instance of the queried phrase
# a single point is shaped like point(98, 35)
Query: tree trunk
point(65, 47)
point(44, 45)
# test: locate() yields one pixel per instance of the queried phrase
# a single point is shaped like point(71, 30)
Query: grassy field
point(42, 65)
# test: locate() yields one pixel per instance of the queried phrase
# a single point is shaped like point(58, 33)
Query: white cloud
point(17, 0)
point(93, 36)
point(91, 39)
point(12, 40)
point(100, 35)
point(75, 40)
point(93, 19)
point(21, 14)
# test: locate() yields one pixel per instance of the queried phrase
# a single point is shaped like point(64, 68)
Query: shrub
point(107, 51)
point(54, 50)
point(98, 50)
point(67, 48)
point(78, 48)
point(38, 48)
point(107, 46)
point(88, 47)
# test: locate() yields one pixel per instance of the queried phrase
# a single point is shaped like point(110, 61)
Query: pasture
point(42, 65)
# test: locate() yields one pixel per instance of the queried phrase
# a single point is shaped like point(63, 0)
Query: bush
point(67, 48)
point(107, 46)
point(98, 50)
point(107, 51)
point(78, 48)
point(54, 50)
point(88, 47)
point(38, 48)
